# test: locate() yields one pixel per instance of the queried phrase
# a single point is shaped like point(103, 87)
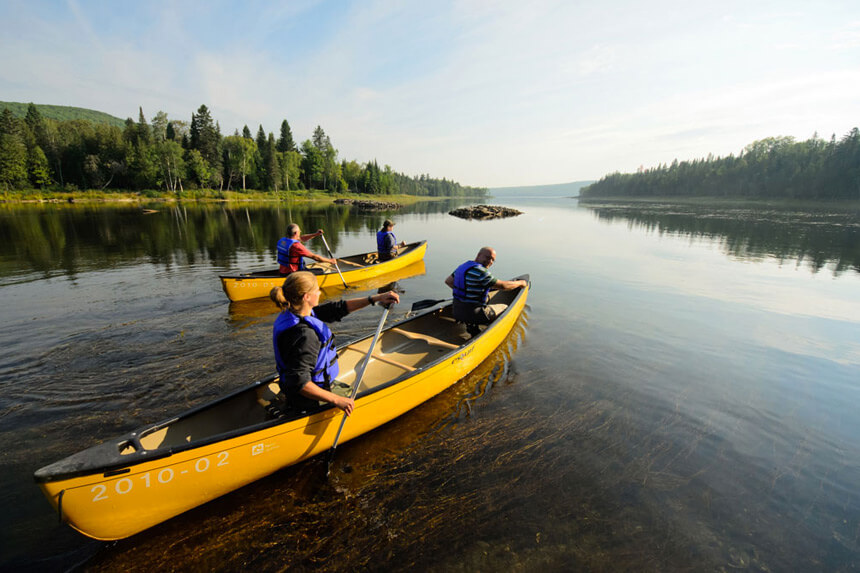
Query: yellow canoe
point(243, 312)
point(127, 484)
point(354, 268)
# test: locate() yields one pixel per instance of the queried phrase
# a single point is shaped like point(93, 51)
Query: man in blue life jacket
point(471, 283)
point(386, 242)
point(291, 250)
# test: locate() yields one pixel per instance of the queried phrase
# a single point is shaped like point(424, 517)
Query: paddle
point(358, 377)
point(427, 303)
point(331, 256)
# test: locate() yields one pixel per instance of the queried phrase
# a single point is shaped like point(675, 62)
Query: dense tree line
point(776, 167)
point(174, 155)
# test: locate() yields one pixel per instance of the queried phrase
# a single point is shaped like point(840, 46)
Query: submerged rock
point(369, 205)
point(482, 212)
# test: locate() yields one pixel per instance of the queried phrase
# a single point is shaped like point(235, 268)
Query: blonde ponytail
point(277, 296)
point(290, 294)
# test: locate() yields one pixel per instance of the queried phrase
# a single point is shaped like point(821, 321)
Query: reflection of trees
point(68, 239)
point(817, 239)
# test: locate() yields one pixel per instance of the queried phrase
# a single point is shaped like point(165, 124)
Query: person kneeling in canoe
point(471, 283)
point(386, 243)
point(305, 353)
point(291, 250)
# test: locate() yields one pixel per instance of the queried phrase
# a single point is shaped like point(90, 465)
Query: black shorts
point(473, 313)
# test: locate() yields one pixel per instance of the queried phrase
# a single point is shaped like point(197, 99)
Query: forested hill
point(554, 190)
point(776, 167)
point(63, 113)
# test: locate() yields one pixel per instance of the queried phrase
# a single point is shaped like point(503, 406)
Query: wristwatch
point(370, 301)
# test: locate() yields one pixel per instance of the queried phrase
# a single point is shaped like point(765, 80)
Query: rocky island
point(483, 212)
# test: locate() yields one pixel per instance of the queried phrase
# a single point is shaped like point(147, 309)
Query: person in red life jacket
point(305, 353)
point(386, 242)
point(471, 284)
point(291, 250)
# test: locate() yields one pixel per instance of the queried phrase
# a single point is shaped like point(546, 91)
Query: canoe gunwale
point(141, 455)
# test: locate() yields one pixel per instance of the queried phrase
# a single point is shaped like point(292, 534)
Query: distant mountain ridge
point(555, 190)
point(63, 113)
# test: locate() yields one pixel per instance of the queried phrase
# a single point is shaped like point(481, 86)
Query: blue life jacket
point(381, 247)
point(326, 368)
point(460, 291)
point(284, 257)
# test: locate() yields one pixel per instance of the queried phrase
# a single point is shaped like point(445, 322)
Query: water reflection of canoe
point(133, 482)
point(244, 312)
point(353, 268)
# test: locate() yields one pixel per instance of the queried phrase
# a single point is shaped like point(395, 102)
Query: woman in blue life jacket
point(471, 284)
point(386, 242)
point(304, 346)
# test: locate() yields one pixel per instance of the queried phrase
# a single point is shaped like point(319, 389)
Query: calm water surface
point(681, 392)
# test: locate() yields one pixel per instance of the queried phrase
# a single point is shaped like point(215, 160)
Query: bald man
point(472, 283)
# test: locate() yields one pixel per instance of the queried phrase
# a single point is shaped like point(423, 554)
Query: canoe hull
point(257, 285)
point(117, 502)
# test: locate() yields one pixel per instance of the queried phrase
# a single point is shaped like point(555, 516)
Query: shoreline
point(202, 196)
point(725, 202)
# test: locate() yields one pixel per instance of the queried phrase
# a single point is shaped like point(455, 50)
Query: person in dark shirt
point(471, 283)
point(305, 353)
point(386, 243)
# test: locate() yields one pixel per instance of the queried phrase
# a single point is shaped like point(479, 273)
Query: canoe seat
point(272, 401)
point(431, 340)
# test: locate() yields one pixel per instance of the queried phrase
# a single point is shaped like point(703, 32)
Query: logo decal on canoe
point(262, 448)
point(464, 355)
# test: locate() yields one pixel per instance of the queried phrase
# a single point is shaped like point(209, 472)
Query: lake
point(680, 393)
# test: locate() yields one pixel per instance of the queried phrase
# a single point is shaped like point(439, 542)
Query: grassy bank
point(200, 195)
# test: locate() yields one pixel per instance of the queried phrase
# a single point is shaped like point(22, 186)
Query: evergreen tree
point(36, 124)
point(320, 139)
point(313, 164)
point(144, 135)
point(206, 138)
point(285, 142)
point(271, 166)
point(13, 152)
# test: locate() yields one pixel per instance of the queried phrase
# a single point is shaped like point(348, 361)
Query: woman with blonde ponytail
point(305, 353)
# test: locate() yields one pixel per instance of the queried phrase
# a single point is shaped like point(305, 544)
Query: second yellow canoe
point(354, 268)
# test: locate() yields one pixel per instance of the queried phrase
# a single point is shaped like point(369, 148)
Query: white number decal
point(205, 465)
point(100, 491)
point(125, 485)
point(123, 488)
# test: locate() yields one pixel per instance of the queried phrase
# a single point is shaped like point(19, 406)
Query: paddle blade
point(392, 286)
point(427, 303)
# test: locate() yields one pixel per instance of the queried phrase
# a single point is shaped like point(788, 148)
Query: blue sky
point(488, 93)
